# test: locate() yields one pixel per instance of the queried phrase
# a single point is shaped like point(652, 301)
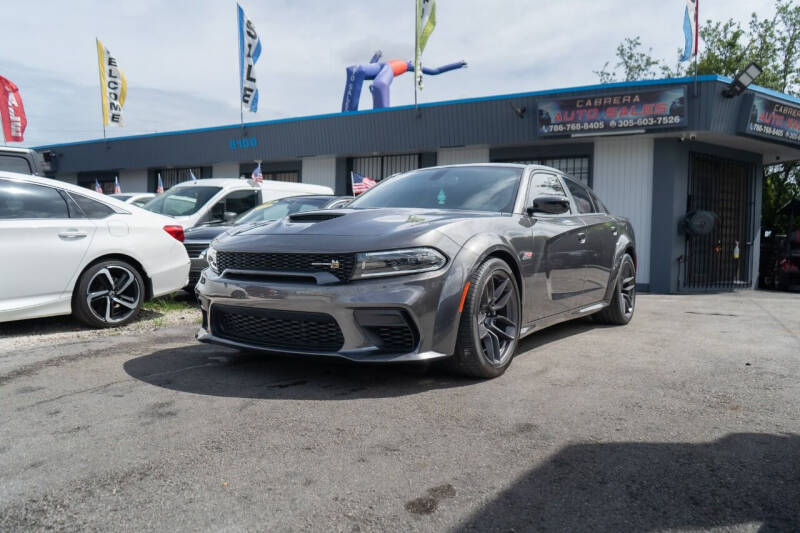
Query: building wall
point(623, 179)
point(319, 171)
point(133, 180)
point(227, 169)
point(464, 154)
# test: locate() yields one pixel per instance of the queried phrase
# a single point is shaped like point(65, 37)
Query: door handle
point(582, 237)
point(72, 235)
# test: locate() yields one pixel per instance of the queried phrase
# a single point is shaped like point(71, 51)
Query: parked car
point(136, 198)
point(780, 265)
point(455, 262)
point(21, 160)
point(69, 250)
point(198, 238)
point(221, 200)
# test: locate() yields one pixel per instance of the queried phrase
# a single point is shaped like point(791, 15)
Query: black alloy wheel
point(490, 322)
point(623, 301)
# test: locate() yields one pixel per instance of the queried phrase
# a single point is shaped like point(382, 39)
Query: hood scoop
point(316, 216)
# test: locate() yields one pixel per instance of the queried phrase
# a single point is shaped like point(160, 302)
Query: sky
point(181, 57)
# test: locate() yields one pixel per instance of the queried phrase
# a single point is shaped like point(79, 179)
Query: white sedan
point(68, 249)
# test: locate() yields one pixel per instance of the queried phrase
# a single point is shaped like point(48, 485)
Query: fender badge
point(526, 255)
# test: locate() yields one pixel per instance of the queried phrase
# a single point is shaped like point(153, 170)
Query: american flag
point(97, 188)
point(160, 187)
point(117, 188)
point(257, 175)
point(361, 183)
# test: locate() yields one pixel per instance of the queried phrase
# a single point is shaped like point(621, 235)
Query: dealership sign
point(771, 120)
point(634, 110)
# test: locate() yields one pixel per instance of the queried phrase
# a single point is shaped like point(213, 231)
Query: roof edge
point(546, 92)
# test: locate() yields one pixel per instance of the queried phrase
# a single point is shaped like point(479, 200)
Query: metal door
point(720, 259)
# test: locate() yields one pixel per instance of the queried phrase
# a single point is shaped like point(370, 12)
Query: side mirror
point(549, 205)
point(230, 216)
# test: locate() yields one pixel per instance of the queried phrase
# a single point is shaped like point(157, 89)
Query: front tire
point(623, 302)
point(490, 322)
point(108, 294)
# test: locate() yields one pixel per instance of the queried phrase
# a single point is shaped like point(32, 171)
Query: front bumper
point(428, 303)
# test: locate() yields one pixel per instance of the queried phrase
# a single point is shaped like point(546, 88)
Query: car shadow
point(633, 486)
point(218, 371)
point(59, 324)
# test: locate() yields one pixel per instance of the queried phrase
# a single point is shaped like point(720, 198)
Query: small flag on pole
point(361, 183)
point(690, 29)
point(192, 176)
point(249, 52)
point(160, 186)
point(257, 175)
point(117, 188)
point(97, 188)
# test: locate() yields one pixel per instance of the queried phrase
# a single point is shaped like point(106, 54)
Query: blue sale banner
point(635, 110)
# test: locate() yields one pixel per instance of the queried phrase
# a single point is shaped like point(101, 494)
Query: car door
point(558, 240)
point(601, 235)
point(43, 245)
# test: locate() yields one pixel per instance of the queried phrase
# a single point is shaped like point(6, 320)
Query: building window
point(578, 167)
point(173, 176)
point(383, 166)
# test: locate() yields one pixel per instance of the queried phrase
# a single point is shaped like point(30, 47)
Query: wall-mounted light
point(742, 80)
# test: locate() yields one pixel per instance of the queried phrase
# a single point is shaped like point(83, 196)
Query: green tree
point(727, 47)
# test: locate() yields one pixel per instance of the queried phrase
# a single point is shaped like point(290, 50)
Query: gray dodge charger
point(455, 262)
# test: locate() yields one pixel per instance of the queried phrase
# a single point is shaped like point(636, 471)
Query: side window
point(581, 196)
point(601, 207)
point(544, 185)
point(19, 200)
point(92, 208)
point(240, 201)
point(13, 163)
point(236, 202)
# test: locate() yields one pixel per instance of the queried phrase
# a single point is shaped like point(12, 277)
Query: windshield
point(280, 208)
point(465, 188)
point(181, 201)
point(121, 197)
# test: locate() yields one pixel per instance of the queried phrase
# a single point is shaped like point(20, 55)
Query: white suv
point(220, 200)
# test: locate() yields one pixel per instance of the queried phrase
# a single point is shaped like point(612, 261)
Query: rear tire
point(623, 301)
point(108, 294)
point(488, 332)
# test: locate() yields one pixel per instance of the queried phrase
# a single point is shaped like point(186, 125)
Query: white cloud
point(180, 58)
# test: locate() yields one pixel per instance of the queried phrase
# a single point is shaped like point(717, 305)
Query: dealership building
point(654, 151)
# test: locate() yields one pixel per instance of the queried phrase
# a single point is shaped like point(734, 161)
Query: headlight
point(394, 262)
point(211, 258)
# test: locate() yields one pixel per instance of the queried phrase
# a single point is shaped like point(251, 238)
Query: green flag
point(426, 22)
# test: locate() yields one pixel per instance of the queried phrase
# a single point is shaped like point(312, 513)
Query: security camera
point(692, 136)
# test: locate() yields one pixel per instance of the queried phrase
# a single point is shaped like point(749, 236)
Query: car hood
point(205, 233)
point(353, 230)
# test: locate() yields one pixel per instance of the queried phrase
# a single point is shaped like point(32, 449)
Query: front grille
point(194, 249)
point(394, 339)
point(277, 329)
point(292, 263)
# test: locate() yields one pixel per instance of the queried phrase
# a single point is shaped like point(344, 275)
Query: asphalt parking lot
point(687, 419)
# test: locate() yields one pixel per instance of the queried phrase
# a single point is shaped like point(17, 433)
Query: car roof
point(63, 185)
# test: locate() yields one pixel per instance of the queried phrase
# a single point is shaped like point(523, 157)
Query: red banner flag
point(11, 111)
